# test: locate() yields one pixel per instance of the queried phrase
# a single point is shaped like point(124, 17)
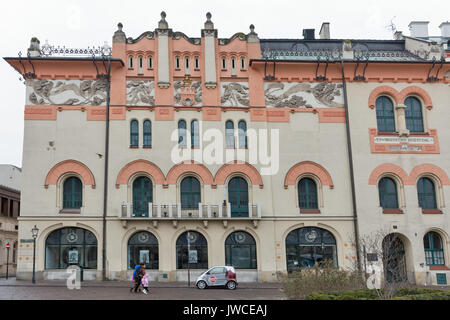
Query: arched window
point(242, 63)
point(413, 115)
point(182, 133)
point(140, 64)
point(192, 251)
point(142, 195)
point(307, 194)
point(307, 246)
point(385, 114)
point(434, 252)
point(387, 190)
point(195, 134)
point(134, 133)
point(72, 193)
point(197, 63)
point(177, 62)
point(143, 247)
point(240, 250)
point(147, 133)
point(150, 62)
point(238, 197)
point(229, 133)
point(242, 133)
point(224, 63)
point(186, 65)
point(426, 193)
point(71, 246)
point(190, 193)
point(130, 62)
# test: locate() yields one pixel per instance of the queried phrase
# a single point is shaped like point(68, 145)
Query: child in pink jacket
point(144, 283)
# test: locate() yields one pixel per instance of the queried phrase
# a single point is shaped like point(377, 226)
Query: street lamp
point(34, 233)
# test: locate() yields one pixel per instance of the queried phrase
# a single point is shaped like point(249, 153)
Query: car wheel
point(231, 285)
point(201, 284)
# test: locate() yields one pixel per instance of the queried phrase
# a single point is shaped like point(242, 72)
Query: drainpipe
point(350, 162)
point(105, 186)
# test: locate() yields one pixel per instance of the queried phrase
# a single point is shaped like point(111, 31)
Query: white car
point(218, 276)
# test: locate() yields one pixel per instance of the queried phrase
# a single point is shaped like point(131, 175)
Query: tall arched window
point(182, 133)
point(242, 133)
point(147, 133)
point(426, 193)
point(72, 193)
point(143, 247)
point(387, 190)
point(190, 193)
point(195, 134)
point(229, 133)
point(385, 114)
point(434, 251)
point(307, 194)
point(240, 250)
point(134, 133)
point(71, 246)
point(142, 195)
point(192, 251)
point(130, 62)
point(150, 62)
point(413, 115)
point(307, 246)
point(238, 197)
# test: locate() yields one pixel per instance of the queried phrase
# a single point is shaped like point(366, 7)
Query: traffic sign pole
point(7, 260)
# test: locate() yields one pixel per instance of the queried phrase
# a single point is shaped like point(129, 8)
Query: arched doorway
point(394, 259)
point(142, 195)
point(309, 245)
point(238, 197)
point(143, 247)
point(192, 251)
point(71, 246)
point(240, 250)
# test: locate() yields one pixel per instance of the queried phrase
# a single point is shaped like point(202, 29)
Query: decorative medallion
point(143, 237)
point(239, 237)
point(192, 237)
point(72, 237)
point(311, 236)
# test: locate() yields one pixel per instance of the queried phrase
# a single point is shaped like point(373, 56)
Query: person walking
point(139, 271)
point(145, 283)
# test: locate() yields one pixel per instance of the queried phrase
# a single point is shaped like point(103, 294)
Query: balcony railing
point(176, 212)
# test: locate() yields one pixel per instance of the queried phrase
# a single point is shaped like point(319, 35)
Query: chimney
point(419, 29)
point(445, 29)
point(325, 31)
point(308, 34)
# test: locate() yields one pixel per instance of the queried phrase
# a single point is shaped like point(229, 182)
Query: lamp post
point(34, 233)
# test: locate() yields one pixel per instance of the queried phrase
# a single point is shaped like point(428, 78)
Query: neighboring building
point(10, 184)
point(322, 183)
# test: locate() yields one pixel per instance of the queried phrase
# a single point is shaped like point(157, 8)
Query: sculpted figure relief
point(307, 95)
point(141, 92)
point(66, 92)
point(195, 88)
point(235, 94)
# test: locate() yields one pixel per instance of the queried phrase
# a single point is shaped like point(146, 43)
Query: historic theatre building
point(265, 154)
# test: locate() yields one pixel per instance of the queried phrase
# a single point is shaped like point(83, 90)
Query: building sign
point(428, 143)
point(144, 256)
point(73, 256)
point(193, 258)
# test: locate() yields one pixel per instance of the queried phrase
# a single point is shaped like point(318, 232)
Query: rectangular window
point(197, 66)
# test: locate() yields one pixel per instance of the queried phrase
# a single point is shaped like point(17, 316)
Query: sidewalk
point(12, 282)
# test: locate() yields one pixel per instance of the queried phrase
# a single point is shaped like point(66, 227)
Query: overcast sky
point(86, 23)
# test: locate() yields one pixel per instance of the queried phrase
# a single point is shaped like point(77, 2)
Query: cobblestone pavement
point(12, 289)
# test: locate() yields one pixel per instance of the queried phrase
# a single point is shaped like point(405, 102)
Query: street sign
point(212, 279)
point(7, 246)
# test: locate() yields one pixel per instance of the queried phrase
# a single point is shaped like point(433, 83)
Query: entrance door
point(394, 260)
point(142, 195)
point(238, 197)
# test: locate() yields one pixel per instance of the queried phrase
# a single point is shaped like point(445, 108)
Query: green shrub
point(366, 294)
point(362, 294)
point(325, 278)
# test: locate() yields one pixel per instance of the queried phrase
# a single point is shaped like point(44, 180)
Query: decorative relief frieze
point(141, 93)
point(235, 94)
point(187, 96)
point(66, 92)
point(303, 95)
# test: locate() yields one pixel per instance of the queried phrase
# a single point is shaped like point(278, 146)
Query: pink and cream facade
point(185, 118)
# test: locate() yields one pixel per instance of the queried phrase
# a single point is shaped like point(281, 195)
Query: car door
point(214, 276)
point(220, 276)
